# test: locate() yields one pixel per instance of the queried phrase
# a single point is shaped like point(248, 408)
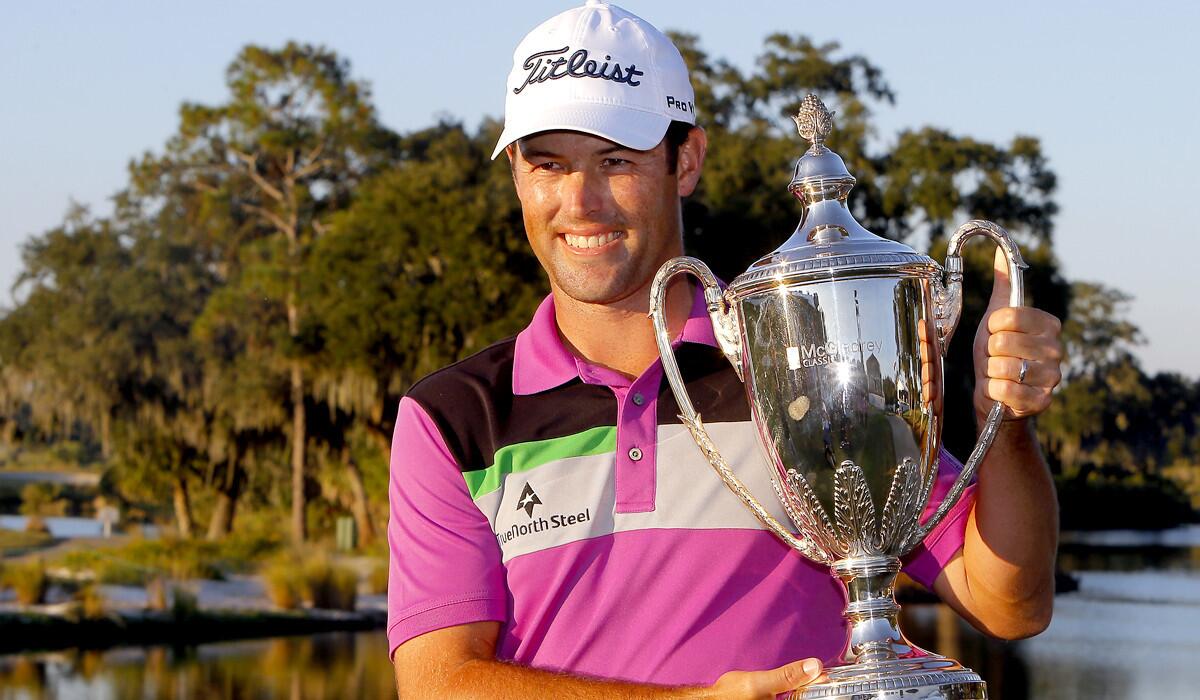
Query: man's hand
point(1006, 337)
point(766, 685)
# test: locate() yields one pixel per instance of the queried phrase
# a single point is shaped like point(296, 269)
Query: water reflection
point(1131, 631)
point(334, 665)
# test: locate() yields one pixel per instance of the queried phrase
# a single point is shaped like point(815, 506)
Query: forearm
point(497, 680)
point(1012, 536)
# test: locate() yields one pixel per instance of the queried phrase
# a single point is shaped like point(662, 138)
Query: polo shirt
point(568, 503)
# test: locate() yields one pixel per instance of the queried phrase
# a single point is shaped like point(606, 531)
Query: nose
point(583, 193)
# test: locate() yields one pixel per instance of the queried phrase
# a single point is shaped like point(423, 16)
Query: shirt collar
point(542, 362)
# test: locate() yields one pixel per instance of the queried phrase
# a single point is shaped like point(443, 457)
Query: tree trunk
point(106, 433)
point(299, 423)
point(221, 523)
point(362, 514)
point(183, 507)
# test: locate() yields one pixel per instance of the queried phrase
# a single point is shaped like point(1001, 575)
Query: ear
point(691, 160)
point(510, 151)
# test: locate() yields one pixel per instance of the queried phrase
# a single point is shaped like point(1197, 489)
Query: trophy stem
point(879, 663)
point(871, 609)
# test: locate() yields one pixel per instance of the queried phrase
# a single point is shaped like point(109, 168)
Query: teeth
point(595, 241)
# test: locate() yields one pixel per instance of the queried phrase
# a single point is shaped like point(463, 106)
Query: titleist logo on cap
point(543, 67)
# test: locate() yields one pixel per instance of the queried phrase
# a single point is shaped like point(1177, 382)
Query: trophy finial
point(814, 120)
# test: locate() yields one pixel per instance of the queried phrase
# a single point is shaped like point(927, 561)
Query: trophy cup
point(838, 336)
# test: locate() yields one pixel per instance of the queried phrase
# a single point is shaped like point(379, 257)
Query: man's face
point(600, 217)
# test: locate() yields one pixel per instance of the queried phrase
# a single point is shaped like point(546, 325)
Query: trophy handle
point(948, 302)
point(728, 334)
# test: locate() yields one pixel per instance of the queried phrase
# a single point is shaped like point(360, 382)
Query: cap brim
point(631, 128)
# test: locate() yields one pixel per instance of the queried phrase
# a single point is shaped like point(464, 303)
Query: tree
point(283, 153)
point(428, 265)
point(63, 350)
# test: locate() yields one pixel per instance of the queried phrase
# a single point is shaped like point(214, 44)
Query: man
point(554, 531)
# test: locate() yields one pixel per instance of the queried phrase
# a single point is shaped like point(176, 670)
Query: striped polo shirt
point(567, 502)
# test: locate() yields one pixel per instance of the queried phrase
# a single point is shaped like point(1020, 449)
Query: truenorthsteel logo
point(528, 500)
point(544, 522)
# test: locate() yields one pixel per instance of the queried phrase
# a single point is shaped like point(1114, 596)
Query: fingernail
point(811, 667)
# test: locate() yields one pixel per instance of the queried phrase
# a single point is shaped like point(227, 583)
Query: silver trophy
point(838, 336)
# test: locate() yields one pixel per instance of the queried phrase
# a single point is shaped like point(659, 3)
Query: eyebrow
point(528, 152)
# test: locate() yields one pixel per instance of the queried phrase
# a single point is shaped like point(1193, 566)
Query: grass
point(90, 603)
point(377, 578)
point(140, 561)
point(28, 580)
point(282, 584)
point(330, 586)
point(310, 577)
point(16, 542)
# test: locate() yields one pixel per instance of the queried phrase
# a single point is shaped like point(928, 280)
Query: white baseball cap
point(601, 70)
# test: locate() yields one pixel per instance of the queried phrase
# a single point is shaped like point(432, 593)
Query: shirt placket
point(635, 463)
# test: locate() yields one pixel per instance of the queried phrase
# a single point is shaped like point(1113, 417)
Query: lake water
point(1132, 631)
point(58, 526)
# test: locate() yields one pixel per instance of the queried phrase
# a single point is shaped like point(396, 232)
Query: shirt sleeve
point(444, 565)
point(925, 562)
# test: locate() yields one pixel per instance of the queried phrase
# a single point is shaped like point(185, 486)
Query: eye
point(548, 166)
point(615, 162)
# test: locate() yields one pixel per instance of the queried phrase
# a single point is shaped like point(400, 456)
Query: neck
point(619, 336)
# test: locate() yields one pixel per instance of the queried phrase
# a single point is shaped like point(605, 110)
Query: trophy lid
point(828, 239)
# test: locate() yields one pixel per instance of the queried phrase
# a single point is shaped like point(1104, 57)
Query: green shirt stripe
point(523, 456)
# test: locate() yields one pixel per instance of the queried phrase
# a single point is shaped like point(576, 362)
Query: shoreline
point(37, 631)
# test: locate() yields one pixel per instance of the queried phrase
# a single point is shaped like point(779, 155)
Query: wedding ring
point(1024, 369)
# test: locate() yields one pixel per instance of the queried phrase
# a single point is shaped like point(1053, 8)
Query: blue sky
point(1110, 88)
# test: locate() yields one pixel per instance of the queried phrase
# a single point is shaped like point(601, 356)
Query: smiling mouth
point(589, 242)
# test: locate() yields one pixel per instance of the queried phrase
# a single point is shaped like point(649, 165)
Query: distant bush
point(90, 603)
point(35, 525)
point(141, 560)
point(42, 499)
point(377, 579)
point(28, 580)
point(328, 585)
point(184, 603)
point(1141, 502)
point(15, 542)
point(281, 579)
point(156, 593)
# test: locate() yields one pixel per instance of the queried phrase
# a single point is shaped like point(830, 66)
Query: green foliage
point(42, 499)
point(1122, 501)
point(918, 187)
point(328, 585)
point(28, 580)
point(142, 561)
point(282, 582)
point(184, 603)
point(89, 602)
point(377, 579)
point(13, 543)
point(235, 338)
point(310, 576)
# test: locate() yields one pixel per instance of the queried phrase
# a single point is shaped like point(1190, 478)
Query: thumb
point(790, 676)
point(1001, 282)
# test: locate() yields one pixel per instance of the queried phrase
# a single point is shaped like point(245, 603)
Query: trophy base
point(919, 678)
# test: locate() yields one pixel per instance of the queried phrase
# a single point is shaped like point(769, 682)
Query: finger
point(1001, 284)
point(1026, 345)
point(791, 676)
point(1020, 399)
point(1023, 319)
point(1038, 374)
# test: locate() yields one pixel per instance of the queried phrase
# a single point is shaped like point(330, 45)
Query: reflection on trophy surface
point(839, 337)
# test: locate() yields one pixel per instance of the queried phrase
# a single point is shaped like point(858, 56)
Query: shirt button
point(638, 399)
point(635, 454)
